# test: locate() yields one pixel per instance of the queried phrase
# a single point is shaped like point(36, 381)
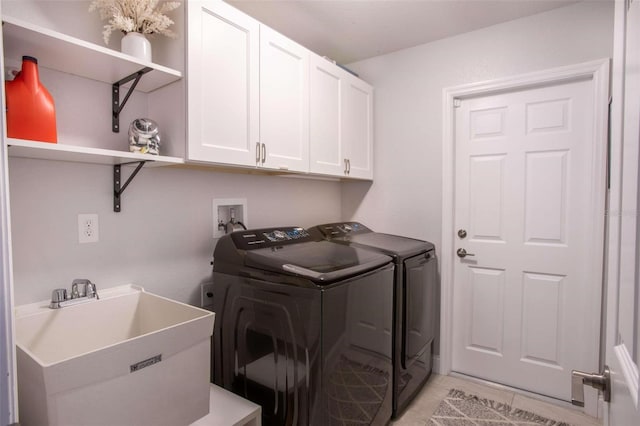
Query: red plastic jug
point(31, 113)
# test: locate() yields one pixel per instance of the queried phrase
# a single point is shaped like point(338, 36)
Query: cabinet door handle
point(349, 166)
point(345, 166)
point(257, 152)
point(264, 153)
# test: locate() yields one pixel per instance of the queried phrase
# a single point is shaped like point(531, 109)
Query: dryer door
point(419, 302)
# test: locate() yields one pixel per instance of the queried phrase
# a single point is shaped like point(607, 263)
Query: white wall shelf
point(71, 55)
point(74, 56)
point(60, 152)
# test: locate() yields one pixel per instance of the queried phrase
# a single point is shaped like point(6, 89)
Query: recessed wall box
point(229, 214)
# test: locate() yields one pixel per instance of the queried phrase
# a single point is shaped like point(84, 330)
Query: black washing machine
point(304, 327)
point(416, 283)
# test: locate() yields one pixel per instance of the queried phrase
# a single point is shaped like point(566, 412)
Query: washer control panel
point(270, 237)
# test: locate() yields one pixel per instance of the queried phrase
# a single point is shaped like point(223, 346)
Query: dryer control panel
point(341, 229)
point(270, 237)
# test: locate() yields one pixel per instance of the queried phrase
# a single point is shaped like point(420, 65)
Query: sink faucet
point(82, 290)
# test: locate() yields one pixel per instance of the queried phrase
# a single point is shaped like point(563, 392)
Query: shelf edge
point(59, 152)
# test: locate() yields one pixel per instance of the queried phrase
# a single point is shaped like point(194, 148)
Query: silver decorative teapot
point(144, 136)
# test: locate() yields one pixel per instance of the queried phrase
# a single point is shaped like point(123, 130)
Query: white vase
point(136, 44)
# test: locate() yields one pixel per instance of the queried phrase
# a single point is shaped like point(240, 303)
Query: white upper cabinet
point(326, 154)
point(247, 91)
point(223, 84)
point(256, 98)
point(357, 128)
point(284, 102)
point(341, 126)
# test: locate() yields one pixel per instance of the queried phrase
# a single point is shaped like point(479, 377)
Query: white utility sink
point(129, 358)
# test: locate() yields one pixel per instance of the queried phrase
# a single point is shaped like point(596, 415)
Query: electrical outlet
point(88, 229)
point(206, 295)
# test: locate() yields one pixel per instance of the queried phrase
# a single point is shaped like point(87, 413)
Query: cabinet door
point(284, 102)
point(223, 78)
point(357, 127)
point(325, 139)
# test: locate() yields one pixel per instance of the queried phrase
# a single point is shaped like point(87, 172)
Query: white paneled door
point(526, 306)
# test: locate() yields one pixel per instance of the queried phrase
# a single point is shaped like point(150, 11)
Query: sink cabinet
point(114, 360)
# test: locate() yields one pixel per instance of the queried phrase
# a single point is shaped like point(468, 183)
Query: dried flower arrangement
point(140, 16)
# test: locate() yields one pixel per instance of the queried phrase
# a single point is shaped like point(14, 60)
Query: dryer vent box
point(226, 213)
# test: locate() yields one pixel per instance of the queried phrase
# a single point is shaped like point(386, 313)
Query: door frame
point(8, 376)
point(598, 71)
point(623, 249)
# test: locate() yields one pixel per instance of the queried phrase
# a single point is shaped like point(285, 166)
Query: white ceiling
point(349, 31)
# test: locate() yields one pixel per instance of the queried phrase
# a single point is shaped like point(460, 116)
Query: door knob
point(602, 382)
point(463, 253)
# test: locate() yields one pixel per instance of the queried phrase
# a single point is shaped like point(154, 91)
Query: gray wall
point(162, 239)
point(406, 196)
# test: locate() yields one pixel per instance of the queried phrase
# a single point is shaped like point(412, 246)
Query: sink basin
point(129, 358)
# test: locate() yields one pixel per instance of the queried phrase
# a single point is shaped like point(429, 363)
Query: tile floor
point(420, 410)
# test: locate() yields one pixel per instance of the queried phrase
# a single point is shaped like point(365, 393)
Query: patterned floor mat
point(461, 409)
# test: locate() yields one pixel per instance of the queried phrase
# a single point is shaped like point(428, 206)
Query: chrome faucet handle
point(79, 288)
point(92, 291)
point(58, 295)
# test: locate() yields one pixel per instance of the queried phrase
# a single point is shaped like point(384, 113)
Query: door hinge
point(457, 103)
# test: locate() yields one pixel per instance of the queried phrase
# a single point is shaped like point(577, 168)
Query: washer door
point(268, 341)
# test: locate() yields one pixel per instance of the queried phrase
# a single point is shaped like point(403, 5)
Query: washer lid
point(319, 261)
point(358, 234)
point(292, 251)
point(390, 244)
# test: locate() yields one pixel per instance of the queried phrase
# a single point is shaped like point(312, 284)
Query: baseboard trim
point(435, 365)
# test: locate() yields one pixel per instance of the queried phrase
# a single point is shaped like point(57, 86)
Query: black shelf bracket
point(118, 187)
point(117, 106)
